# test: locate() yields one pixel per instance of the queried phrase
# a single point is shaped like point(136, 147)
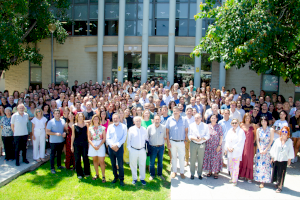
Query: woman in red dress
point(246, 164)
point(70, 159)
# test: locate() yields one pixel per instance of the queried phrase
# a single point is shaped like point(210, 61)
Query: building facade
point(136, 39)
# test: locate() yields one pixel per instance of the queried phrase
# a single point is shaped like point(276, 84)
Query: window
point(161, 18)
point(297, 93)
point(35, 75)
point(61, 71)
point(270, 83)
point(111, 16)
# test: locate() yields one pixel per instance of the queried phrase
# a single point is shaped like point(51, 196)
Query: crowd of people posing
point(255, 137)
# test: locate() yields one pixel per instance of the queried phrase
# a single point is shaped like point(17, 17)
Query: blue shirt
point(163, 120)
point(56, 127)
point(177, 128)
point(162, 103)
point(116, 135)
point(200, 108)
point(226, 126)
point(225, 107)
point(195, 106)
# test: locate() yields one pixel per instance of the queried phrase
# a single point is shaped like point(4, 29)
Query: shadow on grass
point(44, 178)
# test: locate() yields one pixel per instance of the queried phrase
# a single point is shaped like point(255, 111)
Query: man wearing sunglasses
point(254, 115)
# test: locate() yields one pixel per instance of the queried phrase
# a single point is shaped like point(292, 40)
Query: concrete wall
point(17, 77)
point(2, 82)
point(107, 66)
point(286, 89)
point(236, 78)
point(215, 74)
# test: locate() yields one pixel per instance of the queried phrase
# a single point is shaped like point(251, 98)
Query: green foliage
point(23, 23)
point(265, 33)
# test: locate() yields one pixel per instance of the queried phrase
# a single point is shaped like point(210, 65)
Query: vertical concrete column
point(100, 41)
point(144, 68)
point(198, 36)
point(222, 71)
point(121, 36)
point(171, 44)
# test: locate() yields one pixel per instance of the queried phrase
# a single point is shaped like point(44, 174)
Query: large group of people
point(255, 136)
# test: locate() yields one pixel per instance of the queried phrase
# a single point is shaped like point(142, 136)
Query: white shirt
point(235, 140)
point(190, 120)
point(282, 153)
point(235, 97)
point(153, 95)
point(136, 137)
point(200, 131)
point(20, 123)
point(58, 103)
point(241, 111)
point(278, 125)
point(236, 114)
point(39, 123)
point(226, 126)
point(222, 93)
point(167, 99)
point(132, 95)
point(116, 135)
point(70, 104)
point(143, 101)
point(167, 87)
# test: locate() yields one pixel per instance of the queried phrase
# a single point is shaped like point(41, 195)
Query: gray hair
point(21, 104)
point(214, 105)
point(136, 118)
point(7, 108)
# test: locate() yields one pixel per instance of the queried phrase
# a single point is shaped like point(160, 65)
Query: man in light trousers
point(137, 136)
point(177, 131)
point(198, 135)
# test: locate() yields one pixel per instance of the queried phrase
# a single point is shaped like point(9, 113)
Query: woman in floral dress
point(264, 140)
point(213, 151)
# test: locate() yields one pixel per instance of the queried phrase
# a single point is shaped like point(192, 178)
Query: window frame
point(34, 83)
point(55, 67)
point(269, 91)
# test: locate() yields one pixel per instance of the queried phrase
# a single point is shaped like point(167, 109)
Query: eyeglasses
point(256, 110)
point(38, 111)
point(234, 123)
point(284, 132)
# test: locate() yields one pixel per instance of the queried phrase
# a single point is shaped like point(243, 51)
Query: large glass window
point(270, 83)
point(297, 93)
point(161, 20)
point(111, 15)
point(35, 75)
point(185, 22)
point(61, 71)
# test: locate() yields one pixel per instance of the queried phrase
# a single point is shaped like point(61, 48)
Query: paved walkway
point(9, 171)
point(208, 188)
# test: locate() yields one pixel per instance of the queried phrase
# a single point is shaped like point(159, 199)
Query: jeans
point(9, 149)
point(117, 156)
point(156, 152)
point(20, 145)
point(56, 148)
point(82, 150)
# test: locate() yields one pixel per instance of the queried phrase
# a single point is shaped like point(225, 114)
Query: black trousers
point(8, 142)
point(56, 148)
point(82, 150)
point(113, 157)
point(20, 145)
point(279, 171)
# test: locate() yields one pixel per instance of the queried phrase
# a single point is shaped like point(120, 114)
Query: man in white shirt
point(144, 98)
point(198, 135)
point(115, 138)
point(167, 97)
point(60, 100)
point(137, 136)
point(240, 109)
point(226, 125)
point(234, 113)
point(153, 94)
point(190, 118)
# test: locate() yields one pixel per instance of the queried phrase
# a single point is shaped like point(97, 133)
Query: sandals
point(103, 180)
point(209, 174)
point(279, 190)
point(249, 181)
point(216, 176)
point(95, 177)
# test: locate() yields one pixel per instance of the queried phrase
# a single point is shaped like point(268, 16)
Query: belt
point(157, 145)
point(197, 143)
point(136, 148)
point(178, 140)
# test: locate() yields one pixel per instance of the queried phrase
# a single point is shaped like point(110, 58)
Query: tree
point(265, 33)
point(23, 23)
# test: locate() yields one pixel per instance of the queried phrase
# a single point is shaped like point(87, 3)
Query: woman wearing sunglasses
point(282, 153)
point(234, 146)
point(264, 140)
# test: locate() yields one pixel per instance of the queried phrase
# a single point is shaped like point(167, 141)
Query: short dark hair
point(243, 87)
point(263, 118)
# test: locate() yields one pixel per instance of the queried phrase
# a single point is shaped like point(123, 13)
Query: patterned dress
point(70, 159)
point(263, 166)
point(212, 159)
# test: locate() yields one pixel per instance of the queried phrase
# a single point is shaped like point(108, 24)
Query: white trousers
point(39, 144)
point(177, 147)
point(134, 157)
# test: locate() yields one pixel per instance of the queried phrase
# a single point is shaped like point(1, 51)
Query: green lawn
point(41, 184)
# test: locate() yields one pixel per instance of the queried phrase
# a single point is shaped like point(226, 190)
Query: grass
point(41, 184)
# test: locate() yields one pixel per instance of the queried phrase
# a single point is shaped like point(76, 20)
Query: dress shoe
point(200, 177)
point(26, 161)
point(122, 183)
point(115, 180)
point(192, 177)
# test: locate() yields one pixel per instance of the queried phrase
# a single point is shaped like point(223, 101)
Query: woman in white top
point(39, 135)
point(235, 95)
point(282, 153)
point(234, 146)
point(279, 124)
